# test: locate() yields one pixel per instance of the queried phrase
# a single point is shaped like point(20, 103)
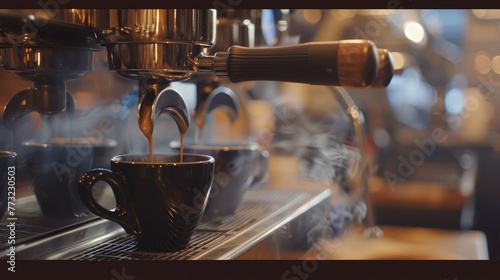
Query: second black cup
point(237, 167)
point(56, 168)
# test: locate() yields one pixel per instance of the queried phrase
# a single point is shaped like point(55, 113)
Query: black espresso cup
point(237, 167)
point(56, 168)
point(7, 178)
point(160, 202)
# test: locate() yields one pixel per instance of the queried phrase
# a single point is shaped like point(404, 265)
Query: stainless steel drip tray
point(263, 214)
point(31, 224)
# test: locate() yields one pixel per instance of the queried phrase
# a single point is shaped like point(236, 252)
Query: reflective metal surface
point(45, 98)
point(48, 54)
point(84, 17)
point(47, 63)
point(192, 26)
point(154, 42)
point(262, 213)
point(159, 100)
point(33, 28)
point(183, 26)
point(151, 60)
point(372, 230)
point(222, 98)
point(231, 32)
point(31, 225)
point(123, 248)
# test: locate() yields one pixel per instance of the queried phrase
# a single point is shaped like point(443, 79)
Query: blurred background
point(432, 134)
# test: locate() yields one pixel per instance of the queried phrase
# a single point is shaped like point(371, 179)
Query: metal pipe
point(371, 227)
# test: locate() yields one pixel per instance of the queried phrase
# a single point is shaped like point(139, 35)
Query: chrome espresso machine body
point(155, 48)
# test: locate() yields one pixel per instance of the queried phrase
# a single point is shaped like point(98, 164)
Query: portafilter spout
point(223, 98)
point(46, 99)
point(159, 99)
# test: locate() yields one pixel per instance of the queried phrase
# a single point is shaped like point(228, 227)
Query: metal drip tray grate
point(123, 248)
point(262, 213)
point(259, 210)
point(32, 224)
point(255, 205)
point(22, 231)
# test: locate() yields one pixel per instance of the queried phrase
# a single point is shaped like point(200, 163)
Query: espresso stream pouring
point(156, 101)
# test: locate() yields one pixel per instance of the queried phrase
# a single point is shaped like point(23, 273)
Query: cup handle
point(124, 214)
point(261, 168)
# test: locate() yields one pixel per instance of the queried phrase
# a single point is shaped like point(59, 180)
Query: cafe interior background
point(422, 184)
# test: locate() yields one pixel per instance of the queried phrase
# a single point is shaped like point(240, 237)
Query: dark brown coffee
point(146, 123)
point(160, 202)
point(183, 127)
point(147, 126)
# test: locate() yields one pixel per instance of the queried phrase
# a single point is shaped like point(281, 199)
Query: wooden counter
point(401, 243)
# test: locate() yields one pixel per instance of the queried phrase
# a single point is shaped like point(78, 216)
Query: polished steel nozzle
point(223, 98)
point(156, 101)
point(46, 99)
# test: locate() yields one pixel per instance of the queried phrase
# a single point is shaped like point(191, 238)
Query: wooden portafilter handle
point(385, 69)
point(347, 63)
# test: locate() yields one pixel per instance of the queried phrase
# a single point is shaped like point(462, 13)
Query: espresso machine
point(48, 61)
point(155, 48)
